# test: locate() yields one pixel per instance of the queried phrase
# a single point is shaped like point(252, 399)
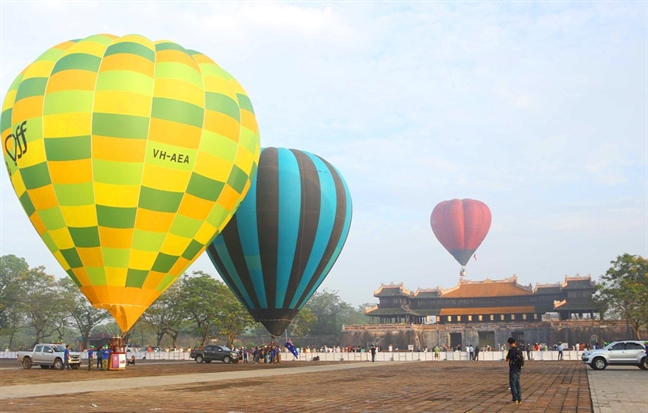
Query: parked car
point(617, 353)
point(48, 356)
point(214, 352)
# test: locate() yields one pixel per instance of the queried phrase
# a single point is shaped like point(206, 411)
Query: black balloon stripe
point(267, 211)
point(220, 267)
point(308, 220)
point(336, 233)
point(235, 250)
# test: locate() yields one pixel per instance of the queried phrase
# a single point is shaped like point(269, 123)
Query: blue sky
point(537, 109)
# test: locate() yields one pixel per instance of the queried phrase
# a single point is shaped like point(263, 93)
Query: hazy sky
point(537, 109)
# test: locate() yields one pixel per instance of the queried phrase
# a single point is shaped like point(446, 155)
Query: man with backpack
point(515, 359)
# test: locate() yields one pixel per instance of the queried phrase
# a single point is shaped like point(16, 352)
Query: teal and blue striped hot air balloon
point(285, 236)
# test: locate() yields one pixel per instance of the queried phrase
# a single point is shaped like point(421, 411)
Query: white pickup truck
point(48, 356)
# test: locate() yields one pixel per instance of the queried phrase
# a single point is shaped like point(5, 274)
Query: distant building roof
point(487, 288)
point(427, 293)
point(547, 288)
point(577, 282)
point(392, 289)
point(487, 310)
point(402, 310)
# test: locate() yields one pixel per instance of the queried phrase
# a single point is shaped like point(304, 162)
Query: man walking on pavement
point(514, 371)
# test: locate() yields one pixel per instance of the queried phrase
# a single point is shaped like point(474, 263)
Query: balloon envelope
point(285, 237)
point(128, 156)
point(461, 226)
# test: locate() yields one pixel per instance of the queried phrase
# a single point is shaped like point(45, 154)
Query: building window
point(458, 318)
point(535, 316)
point(481, 318)
point(438, 319)
point(523, 316)
point(502, 317)
point(492, 317)
point(512, 317)
point(449, 318)
point(469, 318)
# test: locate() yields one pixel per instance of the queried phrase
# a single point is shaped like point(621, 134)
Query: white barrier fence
point(429, 356)
point(366, 356)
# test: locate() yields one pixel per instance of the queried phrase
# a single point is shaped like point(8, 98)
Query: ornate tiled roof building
point(485, 301)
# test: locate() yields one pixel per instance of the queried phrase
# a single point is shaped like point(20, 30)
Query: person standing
point(105, 357)
point(90, 357)
point(99, 353)
point(477, 352)
point(373, 353)
point(66, 357)
point(514, 371)
point(560, 351)
point(528, 350)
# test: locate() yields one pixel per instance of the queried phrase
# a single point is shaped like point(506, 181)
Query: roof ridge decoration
point(370, 309)
point(511, 283)
point(400, 286)
point(545, 285)
point(426, 290)
point(390, 285)
point(576, 277)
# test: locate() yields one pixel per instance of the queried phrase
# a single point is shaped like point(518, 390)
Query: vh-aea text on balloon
point(171, 157)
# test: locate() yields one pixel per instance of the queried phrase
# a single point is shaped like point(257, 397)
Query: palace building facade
point(488, 301)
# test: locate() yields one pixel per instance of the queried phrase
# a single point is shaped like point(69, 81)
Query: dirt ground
point(11, 373)
point(384, 388)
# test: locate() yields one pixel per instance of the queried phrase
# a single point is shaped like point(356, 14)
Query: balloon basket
point(117, 359)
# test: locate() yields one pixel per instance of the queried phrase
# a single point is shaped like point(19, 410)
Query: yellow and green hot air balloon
point(129, 156)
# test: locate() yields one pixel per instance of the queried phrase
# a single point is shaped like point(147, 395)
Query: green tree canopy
point(45, 307)
point(83, 315)
point(624, 288)
point(303, 322)
point(12, 273)
point(232, 318)
point(331, 312)
point(166, 315)
point(200, 299)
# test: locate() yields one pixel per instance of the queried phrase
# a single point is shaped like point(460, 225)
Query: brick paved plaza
point(360, 387)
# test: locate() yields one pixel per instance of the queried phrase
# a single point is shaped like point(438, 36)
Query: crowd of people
point(269, 354)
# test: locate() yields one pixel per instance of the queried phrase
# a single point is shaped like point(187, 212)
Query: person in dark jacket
point(514, 372)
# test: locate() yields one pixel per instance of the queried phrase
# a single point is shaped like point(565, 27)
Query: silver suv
point(617, 353)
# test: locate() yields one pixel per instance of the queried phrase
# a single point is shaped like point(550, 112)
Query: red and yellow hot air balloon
point(129, 156)
point(461, 225)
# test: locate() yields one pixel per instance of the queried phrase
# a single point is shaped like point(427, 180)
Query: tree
point(44, 304)
point(330, 311)
point(166, 315)
point(232, 318)
point(12, 271)
point(625, 289)
point(303, 322)
point(82, 314)
point(359, 317)
point(199, 298)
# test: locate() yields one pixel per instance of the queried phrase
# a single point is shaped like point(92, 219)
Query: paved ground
point(628, 394)
point(334, 387)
